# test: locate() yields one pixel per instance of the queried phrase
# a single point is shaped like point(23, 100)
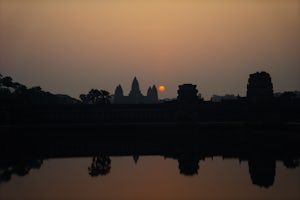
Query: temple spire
point(135, 88)
point(135, 95)
point(119, 91)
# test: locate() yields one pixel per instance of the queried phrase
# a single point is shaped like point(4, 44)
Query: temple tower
point(135, 89)
point(119, 96)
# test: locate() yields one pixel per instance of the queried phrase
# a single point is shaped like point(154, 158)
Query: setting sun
point(161, 88)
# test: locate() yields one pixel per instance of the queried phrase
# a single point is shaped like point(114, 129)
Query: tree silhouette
point(105, 96)
point(1, 77)
point(291, 163)
point(16, 93)
point(6, 81)
point(5, 175)
point(96, 97)
point(100, 166)
point(21, 168)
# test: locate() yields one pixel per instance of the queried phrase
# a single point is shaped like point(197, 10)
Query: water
point(150, 177)
point(182, 164)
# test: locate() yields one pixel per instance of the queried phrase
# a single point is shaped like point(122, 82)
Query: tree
point(96, 97)
point(6, 82)
point(105, 97)
point(17, 93)
point(100, 166)
point(5, 175)
point(291, 163)
point(1, 80)
point(5, 90)
point(21, 168)
point(36, 89)
point(21, 89)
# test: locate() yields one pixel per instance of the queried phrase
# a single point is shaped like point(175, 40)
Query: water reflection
point(291, 163)
point(261, 163)
point(136, 158)
point(154, 173)
point(262, 168)
point(100, 166)
point(188, 164)
point(262, 171)
point(191, 157)
point(20, 168)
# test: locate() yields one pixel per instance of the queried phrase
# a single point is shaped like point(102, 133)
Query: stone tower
point(260, 87)
point(135, 89)
point(119, 96)
point(135, 95)
point(187, 93)
point(152, 96)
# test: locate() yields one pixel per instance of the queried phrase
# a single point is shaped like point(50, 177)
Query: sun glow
point(161, 88)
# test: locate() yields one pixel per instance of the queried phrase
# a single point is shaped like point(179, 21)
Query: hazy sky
point(71, 46)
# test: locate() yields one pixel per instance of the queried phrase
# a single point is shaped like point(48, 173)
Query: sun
point(161, 88)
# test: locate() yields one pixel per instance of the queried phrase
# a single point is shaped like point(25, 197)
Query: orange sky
point(72, 46)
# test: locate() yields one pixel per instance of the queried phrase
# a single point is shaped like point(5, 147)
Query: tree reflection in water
point(21, 168)
point(291, 163)
point(100, 166)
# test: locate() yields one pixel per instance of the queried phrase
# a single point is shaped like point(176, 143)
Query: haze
point(70, 47)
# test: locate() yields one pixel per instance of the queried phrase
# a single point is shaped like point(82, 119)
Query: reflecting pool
point(154, 177)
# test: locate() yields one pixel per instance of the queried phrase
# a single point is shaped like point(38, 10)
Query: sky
point(71, 46)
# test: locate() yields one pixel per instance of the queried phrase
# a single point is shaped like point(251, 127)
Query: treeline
point(95, 96)
point(259, 89)
point(12, 92)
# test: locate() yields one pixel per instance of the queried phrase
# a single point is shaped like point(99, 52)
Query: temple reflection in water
point(259, 150)
point(259, 131)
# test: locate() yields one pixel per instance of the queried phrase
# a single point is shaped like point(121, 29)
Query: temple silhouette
point(260, 128)
point(135, 95)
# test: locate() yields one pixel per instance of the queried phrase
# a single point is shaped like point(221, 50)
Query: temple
point(135, 95)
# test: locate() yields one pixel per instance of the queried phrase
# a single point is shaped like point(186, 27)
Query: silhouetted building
point(187, 102)
point(152, 94)
point(118, 93)
point(227, 97)
point(262, 171)
point(187, 93)
point(188, 165)
point(135, 95)
point(260, 87)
